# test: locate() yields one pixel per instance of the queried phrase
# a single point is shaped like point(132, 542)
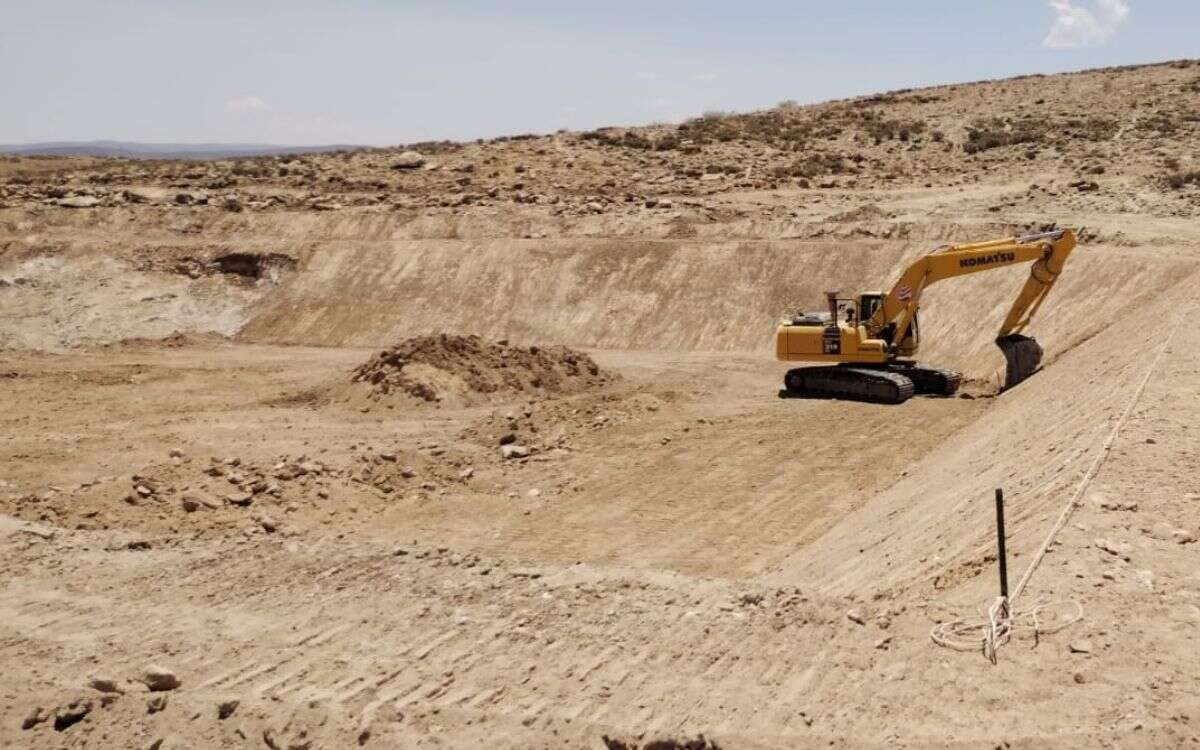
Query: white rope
point(987, 632)
point(990, 632)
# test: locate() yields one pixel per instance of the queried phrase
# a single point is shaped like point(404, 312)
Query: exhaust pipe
point(1023, 356)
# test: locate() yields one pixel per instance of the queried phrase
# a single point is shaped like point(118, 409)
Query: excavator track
point(849, 383)
point(930, 380)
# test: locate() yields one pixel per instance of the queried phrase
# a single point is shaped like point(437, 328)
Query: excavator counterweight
point(863, 347)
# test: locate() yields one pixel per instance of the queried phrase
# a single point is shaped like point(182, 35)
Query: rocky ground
point(462, 444)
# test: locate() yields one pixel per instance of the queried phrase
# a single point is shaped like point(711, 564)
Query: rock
point(1079, 678)
point(1121, 505)
point(534, 494)
point(159, 679)
point(156, 704)
point(232, 204)
point(41, 532)
point(408, 472)
point(189, 504)
point(72, 713)
point(34, 717)
point(226, 708)
point(409, 160)
point(79, 201)
point(513, 450)
point(1118, 549)
point(146, 195)
point(466, 473)
point(241, 499)
point(268, 524)
point(856, 616)
point(508, 439)
point(1145, 578)
point(1081, 646)
point(104, 684)
point(1183, 536)
point(1163, 532)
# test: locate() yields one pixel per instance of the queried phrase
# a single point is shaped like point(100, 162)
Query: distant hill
point(132, 150)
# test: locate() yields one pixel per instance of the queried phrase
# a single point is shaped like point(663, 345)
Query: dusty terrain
point(579, 515)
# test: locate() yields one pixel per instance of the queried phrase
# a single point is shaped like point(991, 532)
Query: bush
point(1158, 123)
point(1178, 180)
point(813, 165)
point(994, 133)
point(1091, 128)
point(881, 129)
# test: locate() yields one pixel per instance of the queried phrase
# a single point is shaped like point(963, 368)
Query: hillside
point(1094, 137)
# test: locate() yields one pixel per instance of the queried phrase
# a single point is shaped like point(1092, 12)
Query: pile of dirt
point(440, 367)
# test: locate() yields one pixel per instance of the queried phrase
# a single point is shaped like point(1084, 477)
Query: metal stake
point(1002, 557)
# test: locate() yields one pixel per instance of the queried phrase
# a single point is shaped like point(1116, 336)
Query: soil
point(484, 447)
point(436, 368)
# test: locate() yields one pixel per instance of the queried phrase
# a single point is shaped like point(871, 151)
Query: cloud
point(1076, 26)
point(705, 77)
point(241, 105)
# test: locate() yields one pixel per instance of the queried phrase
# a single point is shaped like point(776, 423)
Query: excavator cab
point(868, 304)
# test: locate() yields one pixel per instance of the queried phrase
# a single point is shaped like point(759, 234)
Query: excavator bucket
point(1023, 355)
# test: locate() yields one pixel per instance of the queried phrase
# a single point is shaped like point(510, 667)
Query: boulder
point(79, 201)
point(408, 160)
point(159, 679)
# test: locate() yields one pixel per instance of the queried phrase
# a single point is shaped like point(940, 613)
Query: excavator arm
point(1047, 251)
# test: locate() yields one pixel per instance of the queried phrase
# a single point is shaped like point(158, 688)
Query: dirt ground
point(211, 535)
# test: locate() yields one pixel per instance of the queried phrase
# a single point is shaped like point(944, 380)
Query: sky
point(383, 72)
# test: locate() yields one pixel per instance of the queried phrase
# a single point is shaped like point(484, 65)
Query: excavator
point(866, 344)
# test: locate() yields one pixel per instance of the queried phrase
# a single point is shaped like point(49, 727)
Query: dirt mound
point(434, 368)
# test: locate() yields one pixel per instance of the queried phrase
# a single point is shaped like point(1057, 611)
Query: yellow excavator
point(866, 344)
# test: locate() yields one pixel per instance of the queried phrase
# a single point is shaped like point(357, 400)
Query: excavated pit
point(684, 459)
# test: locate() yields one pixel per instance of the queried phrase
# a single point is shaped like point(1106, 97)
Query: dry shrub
point(1179, 180)
point(985, 134)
